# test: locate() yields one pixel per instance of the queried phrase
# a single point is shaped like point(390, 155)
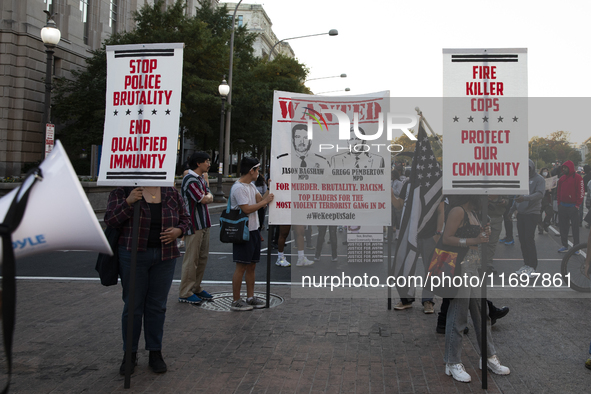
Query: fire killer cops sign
point(142, 114)
point(485, 121)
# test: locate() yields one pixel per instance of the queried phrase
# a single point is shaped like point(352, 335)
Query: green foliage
point(79, 103)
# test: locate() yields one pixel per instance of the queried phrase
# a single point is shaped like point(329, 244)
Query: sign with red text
point(330, 159)
point(49, 138)
point(142, 114)
point(485, 115)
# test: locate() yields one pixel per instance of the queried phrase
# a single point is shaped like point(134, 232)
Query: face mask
point(545, 173)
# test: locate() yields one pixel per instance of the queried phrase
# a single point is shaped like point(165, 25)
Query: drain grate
point(222, 301)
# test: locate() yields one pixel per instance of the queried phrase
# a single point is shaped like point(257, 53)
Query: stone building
point(84, 25)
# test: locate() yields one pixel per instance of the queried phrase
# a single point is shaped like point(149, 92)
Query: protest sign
point(485, 121)
point(330, 159)
point(142, 114)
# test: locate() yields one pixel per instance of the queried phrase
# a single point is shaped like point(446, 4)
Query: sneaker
point(578, 252)
point(311, 247)
point(316, 258)
point(256, 303)
point(400, 306)
point(240, 305)
point(303, 262)
point(133, 363)
point(282, 262)
point(157, 362)
point(563, 250)
point(510, 242)
point(529, 271)
point(191, 300)
point(495, 366)
point(458, 372)
point(428, 307)
point(204, 295)
point(588, 363)
point(334, 259)
point(503, 240)
point(521, 270)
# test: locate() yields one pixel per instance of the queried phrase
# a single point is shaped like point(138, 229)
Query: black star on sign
point(115, 112)
point(500, 119)
point(470, 119)
point(456, 118)
point(141, 111)
point(515, 118)
point(485, 119)
point(153, 112)
point(167, 112)
point(128, 112)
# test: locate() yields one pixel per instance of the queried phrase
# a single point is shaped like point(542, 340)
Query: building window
point(113, 16)
point(84, 10)
point(240, 20)
point(49, 5)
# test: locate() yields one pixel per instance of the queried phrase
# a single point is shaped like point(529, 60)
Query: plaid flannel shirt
point(120, 215)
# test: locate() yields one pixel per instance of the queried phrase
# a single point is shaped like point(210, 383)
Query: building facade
point(84, 25)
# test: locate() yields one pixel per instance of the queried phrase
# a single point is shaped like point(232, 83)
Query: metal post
point(131, 293)
point(219, 192)
point(483, 304)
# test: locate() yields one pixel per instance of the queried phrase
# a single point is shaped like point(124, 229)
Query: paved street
point(68, 337)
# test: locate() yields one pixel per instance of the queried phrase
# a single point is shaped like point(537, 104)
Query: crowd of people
point(167, 215)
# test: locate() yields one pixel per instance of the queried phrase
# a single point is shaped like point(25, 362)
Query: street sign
point(49, 138)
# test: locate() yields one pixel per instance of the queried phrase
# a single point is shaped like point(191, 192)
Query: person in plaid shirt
point(196, 194)
point(163, 219)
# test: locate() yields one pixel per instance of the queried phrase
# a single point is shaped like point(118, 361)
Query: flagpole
point(429, 126)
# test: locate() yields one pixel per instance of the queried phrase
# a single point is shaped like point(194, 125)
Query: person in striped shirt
point(196, 194)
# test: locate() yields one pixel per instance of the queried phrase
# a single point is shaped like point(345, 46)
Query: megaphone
point(58, 215)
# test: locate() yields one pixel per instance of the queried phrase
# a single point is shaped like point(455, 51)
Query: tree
point(80, 102)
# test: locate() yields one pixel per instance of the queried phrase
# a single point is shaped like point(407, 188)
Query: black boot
point(133, 363)
point(496, 313)
point(157, 362)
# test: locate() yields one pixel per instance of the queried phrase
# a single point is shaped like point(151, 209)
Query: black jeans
point(508, 224)
point(566, 216)
point(526, 229)
point(332, 234)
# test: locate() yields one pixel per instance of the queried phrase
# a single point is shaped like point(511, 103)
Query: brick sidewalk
point(68, 339)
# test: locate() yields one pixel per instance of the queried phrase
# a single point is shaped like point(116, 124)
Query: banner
point(485, 121)
point(142, 114)
point(330, 159)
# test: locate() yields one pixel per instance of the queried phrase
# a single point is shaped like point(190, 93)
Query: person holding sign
point(463, 229)
point(244, 196)
point(163, 219)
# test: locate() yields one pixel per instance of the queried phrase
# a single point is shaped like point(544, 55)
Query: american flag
point(422, 198)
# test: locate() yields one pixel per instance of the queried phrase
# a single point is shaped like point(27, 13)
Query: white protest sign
point(485, 121)
point(330, 159)
point(142, 114)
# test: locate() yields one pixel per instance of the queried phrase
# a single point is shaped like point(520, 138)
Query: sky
point(397, 46)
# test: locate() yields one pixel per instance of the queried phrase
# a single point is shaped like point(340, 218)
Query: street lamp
point(332, 91)
point(224, 90)
point(334, 76)
point(50, 35)
point(331, 32)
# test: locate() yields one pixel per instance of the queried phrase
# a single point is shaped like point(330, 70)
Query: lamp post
point(332, 91)
point(230, 74)
point(50, 35)
point(224, 89)
point(334, 76)
point(331, 32)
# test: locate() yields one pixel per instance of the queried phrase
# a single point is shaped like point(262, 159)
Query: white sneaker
point(458, 372)
point(282, 262)
point(303, 262)
point(521, 270)
point(495, 366)
point(529, 271)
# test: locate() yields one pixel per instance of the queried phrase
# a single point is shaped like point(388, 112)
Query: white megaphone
point(58, 215)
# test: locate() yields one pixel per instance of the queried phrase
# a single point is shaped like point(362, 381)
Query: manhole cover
point(222, 301)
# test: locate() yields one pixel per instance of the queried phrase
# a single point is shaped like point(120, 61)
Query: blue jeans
point(152, 284)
